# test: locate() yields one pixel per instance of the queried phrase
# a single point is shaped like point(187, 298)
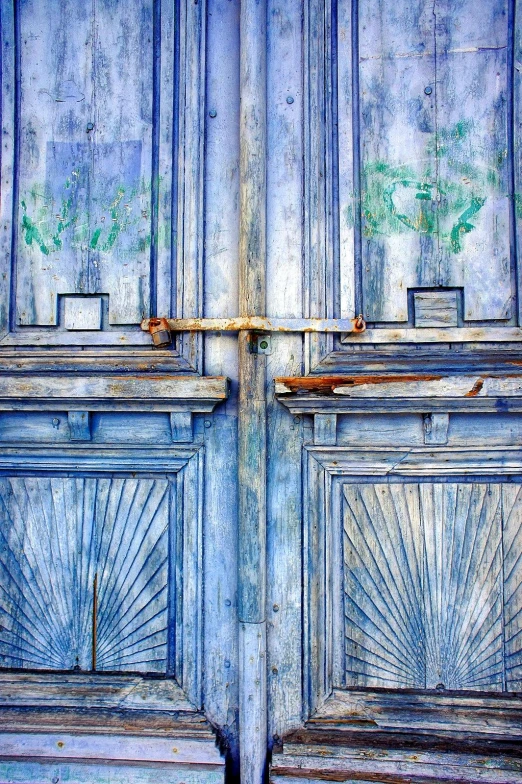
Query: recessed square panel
point(436, 309)
point(82, 313)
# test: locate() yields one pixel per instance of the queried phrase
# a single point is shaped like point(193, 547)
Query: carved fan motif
point(424, 585)
point(84, 573)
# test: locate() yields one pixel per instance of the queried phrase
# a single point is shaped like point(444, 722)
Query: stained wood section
point(434, 155)
point(436, 392)
point(62, 541)
point(86, 166)
point(435, 309)
point(427, 603)
point(82, 313)
point(106, 393)
point(386, 736)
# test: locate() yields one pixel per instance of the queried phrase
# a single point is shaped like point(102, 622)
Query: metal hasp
point(160, 328)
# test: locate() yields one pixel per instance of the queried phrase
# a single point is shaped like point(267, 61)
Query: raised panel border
point(331, 275)
point(325, 469)
point(185, 466)
point(180, 160)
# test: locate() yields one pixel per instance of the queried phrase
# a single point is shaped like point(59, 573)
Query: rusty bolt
point(359, 324)
point(160, 332)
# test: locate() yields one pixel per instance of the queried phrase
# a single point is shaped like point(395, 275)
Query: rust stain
point(475, 389)
point(325, 385)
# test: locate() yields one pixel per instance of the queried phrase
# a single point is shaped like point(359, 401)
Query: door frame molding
point(185, 467)
point(325, 469)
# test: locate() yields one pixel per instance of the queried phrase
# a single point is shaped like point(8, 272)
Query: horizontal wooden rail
point(256, 324)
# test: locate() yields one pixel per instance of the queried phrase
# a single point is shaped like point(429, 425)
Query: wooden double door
point(291, 547)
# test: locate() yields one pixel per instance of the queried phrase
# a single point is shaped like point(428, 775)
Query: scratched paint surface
point(434, 147)
point(85, 179)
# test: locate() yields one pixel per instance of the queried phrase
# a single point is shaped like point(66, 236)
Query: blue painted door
point(102, 446)
point(296, 159)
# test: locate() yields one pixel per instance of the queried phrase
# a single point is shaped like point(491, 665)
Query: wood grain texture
point(97, 202)
point(429, 218)
point(424, 588)
point(436, 428)
point(81, 313)
point(79, 425)
point(435, 309)
point(24, 772)
point(512, 548)
point(121, 538)
point(93, 392)
point(252, 452)
point(86, 161)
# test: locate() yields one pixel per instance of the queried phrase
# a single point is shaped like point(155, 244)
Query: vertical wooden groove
point(94, 619)
point(9, 156)
point(357, 178)
point(252, 403)
point(514, 146)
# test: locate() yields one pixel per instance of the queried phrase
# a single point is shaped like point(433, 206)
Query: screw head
point(227, 602)
point(263, 344)
point(208, 423)
point(289, 99)
point(275, 608)
point(90, 127)
point(428, 90)
point(212, 113)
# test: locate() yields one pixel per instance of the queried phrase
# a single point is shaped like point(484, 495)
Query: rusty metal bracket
point(160, 328)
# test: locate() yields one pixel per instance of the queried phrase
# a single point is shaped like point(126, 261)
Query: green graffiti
point(31, 232)
point(400, 198)
point(95, 238)
point(463, 226)
point(98, 226)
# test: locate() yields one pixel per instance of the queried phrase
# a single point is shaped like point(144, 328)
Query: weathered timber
point(252, 396)
point(95, 392)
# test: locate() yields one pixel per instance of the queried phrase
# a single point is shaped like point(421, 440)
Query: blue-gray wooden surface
point(359, 157)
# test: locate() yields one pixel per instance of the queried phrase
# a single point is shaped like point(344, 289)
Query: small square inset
point(82, 313)
point(436, 309)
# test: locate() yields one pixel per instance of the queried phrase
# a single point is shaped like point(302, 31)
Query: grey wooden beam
point(79, 425)
point(252, 401)
point(436, 428)
point(85, 392)
point(182, 427)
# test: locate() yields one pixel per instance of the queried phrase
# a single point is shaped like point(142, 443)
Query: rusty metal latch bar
point(160, 328)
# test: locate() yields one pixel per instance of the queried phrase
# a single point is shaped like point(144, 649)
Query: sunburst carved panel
point(84, 573)
point(424, 585)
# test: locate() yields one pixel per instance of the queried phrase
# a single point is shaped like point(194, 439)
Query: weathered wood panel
point(86, 158)
point(425, 598)
point(434, 147)
point(85, 572)
point(512, 548)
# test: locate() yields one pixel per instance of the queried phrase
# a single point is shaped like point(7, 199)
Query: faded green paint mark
point(463, 226)
point(400, 198)
point(31, 232)
point(95, 238)
point(79, 227)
